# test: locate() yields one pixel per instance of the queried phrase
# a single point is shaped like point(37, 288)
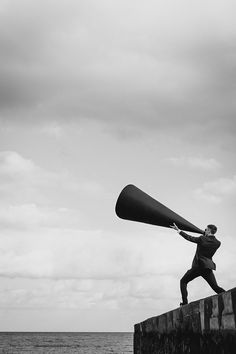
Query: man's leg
point(209, 276)
point(188, 276)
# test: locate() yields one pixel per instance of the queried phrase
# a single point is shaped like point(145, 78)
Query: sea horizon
point(66, 342)
point(11, 331)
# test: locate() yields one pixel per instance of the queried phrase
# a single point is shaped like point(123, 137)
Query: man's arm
point(190, 238)
point(186, 236)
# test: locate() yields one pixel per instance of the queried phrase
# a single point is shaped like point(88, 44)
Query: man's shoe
point(183, 303)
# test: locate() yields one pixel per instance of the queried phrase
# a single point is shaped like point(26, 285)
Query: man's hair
point(213, 228)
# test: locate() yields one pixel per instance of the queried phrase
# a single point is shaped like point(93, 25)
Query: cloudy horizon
point(95, 95)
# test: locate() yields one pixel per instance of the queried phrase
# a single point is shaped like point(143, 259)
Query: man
point(202, 264)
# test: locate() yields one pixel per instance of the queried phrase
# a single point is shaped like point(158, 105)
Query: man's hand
point(175, 227)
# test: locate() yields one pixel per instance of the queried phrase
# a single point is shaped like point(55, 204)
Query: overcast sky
point(94, 95)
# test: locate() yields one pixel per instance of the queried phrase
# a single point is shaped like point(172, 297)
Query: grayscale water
point(66, 343)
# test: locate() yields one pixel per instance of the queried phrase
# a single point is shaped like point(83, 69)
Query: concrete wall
point(204, 326)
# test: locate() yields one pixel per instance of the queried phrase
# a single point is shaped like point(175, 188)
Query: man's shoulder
point(216, 240)
point(212, 239)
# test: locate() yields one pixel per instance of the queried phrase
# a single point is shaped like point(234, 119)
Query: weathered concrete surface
point(205, 326)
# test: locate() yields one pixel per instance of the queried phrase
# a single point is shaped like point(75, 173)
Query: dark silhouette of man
point(202, 264)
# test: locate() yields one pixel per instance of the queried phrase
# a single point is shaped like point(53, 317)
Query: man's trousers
point(195, 272)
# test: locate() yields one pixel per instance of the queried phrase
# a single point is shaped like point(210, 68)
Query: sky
point(95, 95)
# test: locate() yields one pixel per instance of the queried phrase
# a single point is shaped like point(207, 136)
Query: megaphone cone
point(133, 204)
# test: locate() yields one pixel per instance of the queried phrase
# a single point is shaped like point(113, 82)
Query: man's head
point(210, 230)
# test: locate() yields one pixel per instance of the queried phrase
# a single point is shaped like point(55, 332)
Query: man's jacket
point(206, 248)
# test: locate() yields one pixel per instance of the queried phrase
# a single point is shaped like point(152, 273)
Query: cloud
point(50, 294)
point(53, 129)
point(72, 269)
point(155, 66)
point(89, 294)
point(93, 270)
point(195, 162)
point(65, 253)
point(217, 190)
point(31, 216)
point(76, 269)
point(12, 163)
point(20, 179)
point(25, 182)
point(14, 166)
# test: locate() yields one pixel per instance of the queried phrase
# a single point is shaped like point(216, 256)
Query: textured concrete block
point(227, 300)
point(214, 319)
point(176, 318)
point(228, 322)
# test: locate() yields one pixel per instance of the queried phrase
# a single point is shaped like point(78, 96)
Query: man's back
point(206, 248)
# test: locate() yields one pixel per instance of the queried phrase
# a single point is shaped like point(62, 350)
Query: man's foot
point(183, 303)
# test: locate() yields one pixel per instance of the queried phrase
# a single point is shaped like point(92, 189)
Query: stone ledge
point(204, 326)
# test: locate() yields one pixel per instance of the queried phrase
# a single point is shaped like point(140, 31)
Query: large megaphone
point(133, 204)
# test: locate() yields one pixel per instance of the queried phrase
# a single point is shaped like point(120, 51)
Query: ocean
point(66, 343)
